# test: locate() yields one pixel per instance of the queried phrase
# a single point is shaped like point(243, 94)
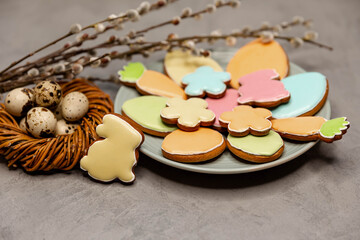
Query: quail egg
point(48, 94)
point(57, 111)
point(74, 106)
point(22, 124)
point(19, 101)
point(40, 122)
point(62, 127)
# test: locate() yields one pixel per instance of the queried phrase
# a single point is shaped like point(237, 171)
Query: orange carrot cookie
point(150, 82)
point(258, 149)
point(190, 147)
point(116, 154)
point(256, 56)
point(179, 63)
point(311, 128)
point(244, 119)
point(187, 114)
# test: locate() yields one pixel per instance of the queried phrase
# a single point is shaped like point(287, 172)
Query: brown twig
point(70, 33)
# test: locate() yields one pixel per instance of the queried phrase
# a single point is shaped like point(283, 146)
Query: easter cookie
point(115, 155)
point(190, 147)
point(258, 149)
point(255, 56)
point(261, 89)
point(244, 119)
point(187, 114)
point(145, 113)
point(131, 73)
point(179, 63)
point(310, 128)
point(333, 129)
point(205, 81)
point(151, 82)
point(308, 94)
point(224, 104)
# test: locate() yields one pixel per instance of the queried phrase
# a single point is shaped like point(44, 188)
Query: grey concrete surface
point(315, 196)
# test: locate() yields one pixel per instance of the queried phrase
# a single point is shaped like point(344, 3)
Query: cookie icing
point(189, 143)
point(260, 87)
point(205, 79)
point(155, 83)
point(262, 146)
point(300, 126)
point(189, 113)
point(224, 104)
point(115, 155)
point(306, 89)
point(242, 118)
point(131, 72)
point(178, 63)
point(145, 111)
point(334, 127)
point(255, 56)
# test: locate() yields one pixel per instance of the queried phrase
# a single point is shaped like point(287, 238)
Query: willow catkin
point(62, 152)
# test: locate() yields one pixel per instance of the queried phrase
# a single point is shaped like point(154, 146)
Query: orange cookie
point(178, 63)
point(187, 114)
point(115, 155)
point(244, 119)
point(311, 128)
point(191, 147)
point(256, 56)
point(258, 149)
point(149, 82)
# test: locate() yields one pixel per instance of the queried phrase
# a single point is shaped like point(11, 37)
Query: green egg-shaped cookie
point(145, 112)
point(257, 149)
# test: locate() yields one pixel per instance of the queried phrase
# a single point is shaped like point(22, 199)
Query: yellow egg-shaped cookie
point(179, 63)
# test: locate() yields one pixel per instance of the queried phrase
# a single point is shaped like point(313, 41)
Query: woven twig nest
point(57, 153)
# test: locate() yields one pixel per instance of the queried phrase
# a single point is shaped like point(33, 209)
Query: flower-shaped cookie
point(187, 114)
point(205, 81)
point(244, 119)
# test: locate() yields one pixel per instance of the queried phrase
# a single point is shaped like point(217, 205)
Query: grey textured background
point(315, 196)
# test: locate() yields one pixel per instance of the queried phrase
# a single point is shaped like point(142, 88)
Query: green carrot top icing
point(334, 127)
point(132, 72)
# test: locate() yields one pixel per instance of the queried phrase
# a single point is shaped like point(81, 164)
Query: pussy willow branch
point(154, 6)
point(17, 77)
point(45, 60)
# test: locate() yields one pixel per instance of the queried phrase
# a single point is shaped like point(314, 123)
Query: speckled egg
point(19, 101)
point(57, 111)
point(74, 106)
point(40, 122)
point(22, 124)
point(63, 127)
point(47, 94)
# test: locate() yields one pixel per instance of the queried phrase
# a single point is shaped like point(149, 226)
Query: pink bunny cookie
point(261, 88)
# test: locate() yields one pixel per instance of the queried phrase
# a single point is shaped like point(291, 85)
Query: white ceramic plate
point(226, 163)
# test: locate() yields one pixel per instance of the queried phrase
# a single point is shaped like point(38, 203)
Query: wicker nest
point(57, 153)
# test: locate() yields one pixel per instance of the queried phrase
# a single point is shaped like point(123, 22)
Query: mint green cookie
point(145, 111)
